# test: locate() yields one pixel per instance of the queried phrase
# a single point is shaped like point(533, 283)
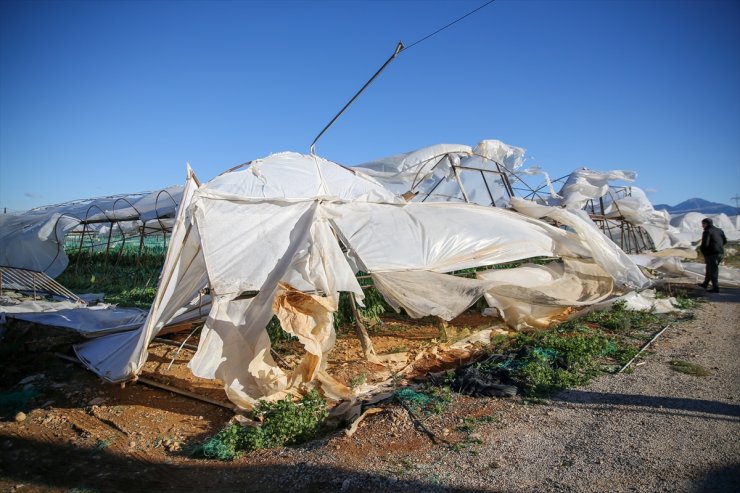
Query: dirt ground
point(650, 430)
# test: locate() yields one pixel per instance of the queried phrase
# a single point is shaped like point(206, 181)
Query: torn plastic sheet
point(728, 276)
point(643, 301)
point(604, 251)
point(637, 209)
point(234, 347)
point(534, 295)
point(309, 318)
point(183, 276)
point(536, 170)
point(585, 184)
point(35, 241)
point(423, 293)
point(444, 237)
point(93, 321)
point(450, 172)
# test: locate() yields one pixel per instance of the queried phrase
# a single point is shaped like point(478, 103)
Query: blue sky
point(100, 98)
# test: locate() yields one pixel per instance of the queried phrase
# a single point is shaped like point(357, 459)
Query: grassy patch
point(689, 368)
point(283, 423)
point(571, 353)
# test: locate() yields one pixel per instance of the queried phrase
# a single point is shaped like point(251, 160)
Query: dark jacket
point(713, 241)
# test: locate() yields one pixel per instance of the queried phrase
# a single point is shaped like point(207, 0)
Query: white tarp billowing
point(585, 184)
point(605, 253)
point(290, 226)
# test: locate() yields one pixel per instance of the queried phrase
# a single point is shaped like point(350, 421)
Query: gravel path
point(653, 429)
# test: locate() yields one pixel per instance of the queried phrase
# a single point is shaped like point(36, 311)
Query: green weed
point(375, 306)
point(573, 352)
point(283, 423)
point(357, 380)
point(126, 278)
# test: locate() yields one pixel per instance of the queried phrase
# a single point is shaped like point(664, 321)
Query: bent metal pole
point(399, 48)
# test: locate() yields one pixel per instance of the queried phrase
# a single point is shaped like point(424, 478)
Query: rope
point(448, 25)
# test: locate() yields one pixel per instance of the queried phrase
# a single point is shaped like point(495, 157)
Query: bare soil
point(651, 429)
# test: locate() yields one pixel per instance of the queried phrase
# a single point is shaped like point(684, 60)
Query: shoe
point(702, 285)
point(715, 290)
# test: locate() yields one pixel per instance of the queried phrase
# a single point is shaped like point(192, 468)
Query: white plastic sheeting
point(606, 254)
point(422, 293)
point(261, 230)
point(149, 207)
point(672, 268)
point(688, 226)
point(92, 321)
point(118, 357)
point(35, 241)
point(584, 184)
point(532, 295)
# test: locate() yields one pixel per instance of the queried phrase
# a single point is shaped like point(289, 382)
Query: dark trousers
point(712, 270)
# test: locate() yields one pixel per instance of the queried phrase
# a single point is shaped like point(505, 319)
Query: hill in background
point(698, 205)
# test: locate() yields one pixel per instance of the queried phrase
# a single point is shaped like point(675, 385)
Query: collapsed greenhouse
point(285, 235)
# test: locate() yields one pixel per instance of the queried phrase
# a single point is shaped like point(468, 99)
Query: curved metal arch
point(60, 242)
point(123, 199)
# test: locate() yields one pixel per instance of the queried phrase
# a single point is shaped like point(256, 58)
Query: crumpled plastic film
point(235, 348)
point(604, 251)
point(309, 318)
point(534, 295)
point(423, 293)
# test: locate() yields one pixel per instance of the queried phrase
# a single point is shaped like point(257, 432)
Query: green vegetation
point(572, 352)
point(375, 306)
point(689, 368)
point(357, 380)
point(283, 423)
point(276, 332)
point(126, 278)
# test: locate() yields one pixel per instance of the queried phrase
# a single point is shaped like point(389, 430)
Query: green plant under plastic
point(126, 278)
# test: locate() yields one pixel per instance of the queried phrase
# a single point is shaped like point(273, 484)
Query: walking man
point(712, 247)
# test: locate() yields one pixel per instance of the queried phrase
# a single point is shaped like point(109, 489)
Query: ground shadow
point(720, 479)
point(60, 466)
point(651, 401)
